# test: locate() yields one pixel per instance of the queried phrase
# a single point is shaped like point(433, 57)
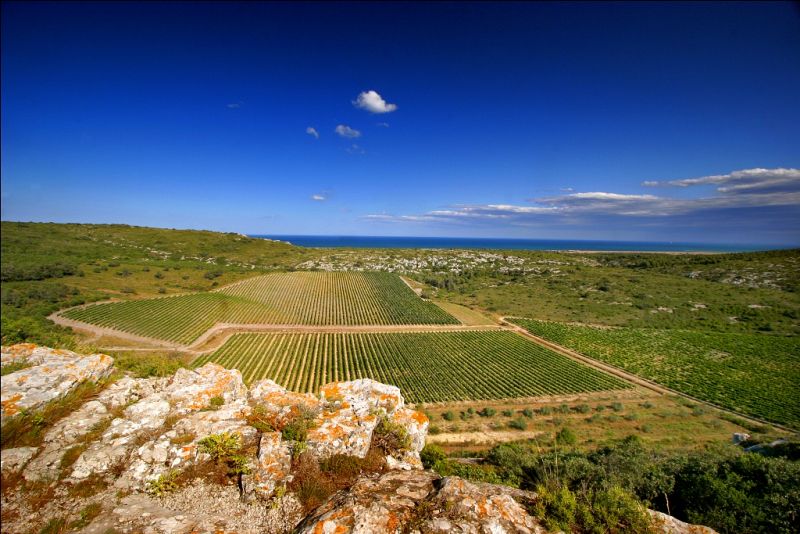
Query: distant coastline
point(563, 245)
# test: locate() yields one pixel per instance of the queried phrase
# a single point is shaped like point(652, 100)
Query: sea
point(354, 241)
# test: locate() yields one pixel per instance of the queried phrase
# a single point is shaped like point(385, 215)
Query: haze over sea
point(354, 241)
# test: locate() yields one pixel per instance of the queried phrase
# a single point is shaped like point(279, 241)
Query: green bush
point(165, 483)
point(431, 455)
point(518, 424)
point(565, 436)
point(487, 412)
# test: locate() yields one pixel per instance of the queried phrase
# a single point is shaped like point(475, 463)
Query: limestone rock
point(478, 508)
point(281, 406)
point(342, 431)
point(363, 396)
point(12, 460)
point(272, 466)
point(54, 374)
point(193, 390)
point(416, 426)
point(372, 506)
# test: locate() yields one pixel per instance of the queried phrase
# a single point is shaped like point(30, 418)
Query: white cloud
point(234, 105)
point(759, 192)
point(355, 149)
point(346, 131)
point(312, 131)
point(383, 124)
point(744, 181)
point(319, 198)
point(373, 102)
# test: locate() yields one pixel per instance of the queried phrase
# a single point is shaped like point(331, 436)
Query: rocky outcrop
point(141, 429)
point(122, 450)
point(51, 374)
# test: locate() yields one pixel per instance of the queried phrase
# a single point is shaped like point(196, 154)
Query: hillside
point(200, 452)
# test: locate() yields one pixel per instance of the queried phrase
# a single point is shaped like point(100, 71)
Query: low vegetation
point(589, 491)
point(754, 374)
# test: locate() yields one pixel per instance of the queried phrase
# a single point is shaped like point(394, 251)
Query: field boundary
point(636, 379)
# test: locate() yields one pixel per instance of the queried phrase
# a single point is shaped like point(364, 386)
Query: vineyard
point(428, 367)
point(306, 298)
point(754, 374)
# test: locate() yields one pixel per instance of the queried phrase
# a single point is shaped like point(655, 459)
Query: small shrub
point(260, 420)
point(647, 405)
point(557, 507)
point(487, 412)
point(341, 465)
point(545, 410)
point(564, 408)
point(431, 455)
point(527, 412)
point(508, 413)
point(165, 483)
point(215, 403)
point(617, 406)
point(220, 446)
point(582, 408)
point(518, 424)
point(630, 417)
point(390, 437)
point(565, 436)
point(433, 430)
point(448, 416)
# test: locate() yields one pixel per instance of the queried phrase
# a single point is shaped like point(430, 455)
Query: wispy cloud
point(355, 149)
point(319, 197)
point(383, 124)
point(768, 197)
point(312, 132)
point(744, 181)
point(234, 105)
point(373, 102)
point(346, 131)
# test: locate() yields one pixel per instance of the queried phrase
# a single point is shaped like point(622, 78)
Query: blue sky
point(665, 122)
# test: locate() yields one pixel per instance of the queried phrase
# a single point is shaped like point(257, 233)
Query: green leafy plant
point(165, 483)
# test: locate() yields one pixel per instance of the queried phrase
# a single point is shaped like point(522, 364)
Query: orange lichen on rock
point(10, 404)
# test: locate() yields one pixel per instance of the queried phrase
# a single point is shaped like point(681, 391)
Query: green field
point(755, 374)
point(428, 367)
point(303, 298)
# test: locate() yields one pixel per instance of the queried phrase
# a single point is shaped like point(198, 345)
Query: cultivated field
point(428, 367)
point(755, 374)
point(302, 298)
